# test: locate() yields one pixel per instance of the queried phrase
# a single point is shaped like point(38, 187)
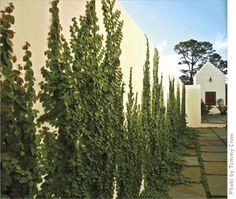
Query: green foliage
point(98, 81)
point(131, 157)
point(177, 135)
point(151, 192)
point(19, 173)
point(170, 116)
point(153, 170)
point(222, 108)
point(113, 90)
point(86, 144)
point(93, 146)
point(219, 63)
point(146, 95)
point(193, 54)
point(30, 158)
point(60, 165)
point(183, 107)
point(166, 140)
point(174, 118)
point(178, 119)
point(146, 113)
point(162, 131)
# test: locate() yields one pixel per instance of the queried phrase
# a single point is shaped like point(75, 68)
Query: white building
point(212, 84)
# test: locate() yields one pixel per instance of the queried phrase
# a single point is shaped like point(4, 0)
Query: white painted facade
point(193, 105)
point(210, 79)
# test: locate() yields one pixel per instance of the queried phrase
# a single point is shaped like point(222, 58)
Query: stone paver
point(214, 154)
point(202, 130)
point(221, 132)
point(217, 168)
point(217, 185)
point(222, 136)
point(217, 157)
point(208, 138)
point(211, 142)
point(184, 191)
point(213, 148)
point(208, 134)
point(191, 161)
point(193, 173)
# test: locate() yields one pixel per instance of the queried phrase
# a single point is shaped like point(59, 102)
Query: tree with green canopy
point(193, 55)
point(219, 63)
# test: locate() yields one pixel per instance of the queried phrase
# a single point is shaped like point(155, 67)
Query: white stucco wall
point(218, 81)
point(193, 105)
point(32, 21)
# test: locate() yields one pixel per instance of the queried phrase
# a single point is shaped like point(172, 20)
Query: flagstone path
point(208, 173)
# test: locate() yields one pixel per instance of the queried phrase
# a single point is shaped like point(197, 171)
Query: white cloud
point(220, 42)
point(168, 62)
point(171, 61)
point(161, 46)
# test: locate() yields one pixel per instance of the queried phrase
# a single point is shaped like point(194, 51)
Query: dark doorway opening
point(210, 98)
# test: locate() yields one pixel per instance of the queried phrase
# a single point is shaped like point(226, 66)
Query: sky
point(167, 22)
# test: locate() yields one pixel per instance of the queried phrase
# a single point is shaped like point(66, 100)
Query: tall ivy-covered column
point(30, 159)
point(153, 174)
point(146, 113)
point(112, 93)
point(183, 111)
point(10, 146)
point(60, 145)
point(131, 172)
point(19, 171)
point(170, 128)
point(178, 114)
point(163, 142)
point(94, 116)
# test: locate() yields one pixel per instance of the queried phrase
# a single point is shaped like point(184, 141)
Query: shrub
point(204, 110)
point(222, 108)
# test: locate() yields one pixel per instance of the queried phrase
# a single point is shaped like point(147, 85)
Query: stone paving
point(192, 171)
point(214, 156)
point(213, 152)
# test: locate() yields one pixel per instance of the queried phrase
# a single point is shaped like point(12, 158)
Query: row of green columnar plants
point(85, 145)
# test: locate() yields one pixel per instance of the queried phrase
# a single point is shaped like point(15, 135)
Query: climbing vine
point(131, 165)
point(19, 173)
point(112, 93)
point(60, 159)
point(87, 146)
point(153, 175)
point(171, 116)
point(183, 111)
point(146, 114)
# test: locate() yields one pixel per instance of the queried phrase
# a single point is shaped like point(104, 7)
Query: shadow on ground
point(214, 119)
